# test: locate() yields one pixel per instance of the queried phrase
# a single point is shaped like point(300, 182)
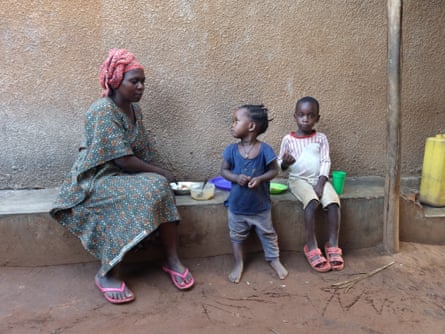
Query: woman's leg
point(169, 237)
point(112, 281)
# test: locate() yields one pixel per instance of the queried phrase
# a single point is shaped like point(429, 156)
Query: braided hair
point(258, 114)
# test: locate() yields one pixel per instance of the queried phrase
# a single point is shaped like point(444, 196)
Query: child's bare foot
point(279, 268)
point(237, 272)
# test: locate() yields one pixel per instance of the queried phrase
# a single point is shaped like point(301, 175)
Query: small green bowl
point(277, 188)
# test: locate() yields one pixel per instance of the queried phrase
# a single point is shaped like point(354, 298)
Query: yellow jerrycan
point(432, 183)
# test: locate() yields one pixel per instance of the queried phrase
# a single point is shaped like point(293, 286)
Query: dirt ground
point(406, 297)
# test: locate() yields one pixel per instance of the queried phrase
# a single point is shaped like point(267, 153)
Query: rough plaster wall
point(423, 79)
point(202, 59)
point(49, 52)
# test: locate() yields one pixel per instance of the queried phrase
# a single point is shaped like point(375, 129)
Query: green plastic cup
point(338, 180)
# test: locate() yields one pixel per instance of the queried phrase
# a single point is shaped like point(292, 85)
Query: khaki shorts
point(304, 192)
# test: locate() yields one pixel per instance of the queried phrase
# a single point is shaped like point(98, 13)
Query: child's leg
point(305, 193)
point(313, 254)
point(331, 202)
point(238, 255)
point(309, 224)
point(334, 224)
point(239, 231)
point(269, 240)
point(333, 252)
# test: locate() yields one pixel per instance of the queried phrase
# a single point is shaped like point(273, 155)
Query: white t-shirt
point(311, 155)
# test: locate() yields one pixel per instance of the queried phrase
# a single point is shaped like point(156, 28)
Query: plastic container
point(338, 180)
point(202, 194)
point(432, 183)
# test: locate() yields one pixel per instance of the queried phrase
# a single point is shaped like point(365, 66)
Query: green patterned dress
point(111, 211)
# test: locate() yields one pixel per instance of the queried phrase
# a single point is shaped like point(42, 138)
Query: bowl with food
point(182, 188)
point(202, 191)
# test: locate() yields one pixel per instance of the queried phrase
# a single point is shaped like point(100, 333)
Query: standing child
point(305, 153)
point(250, 165)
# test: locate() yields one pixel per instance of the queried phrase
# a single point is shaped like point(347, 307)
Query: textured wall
point(202, 59)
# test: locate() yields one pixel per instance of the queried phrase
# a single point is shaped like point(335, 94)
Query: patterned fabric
point(109, 210)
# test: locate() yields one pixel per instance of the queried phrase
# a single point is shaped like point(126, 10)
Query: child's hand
point(243, 180)
point(318, 188)
point(254, 182)
point(287, 160)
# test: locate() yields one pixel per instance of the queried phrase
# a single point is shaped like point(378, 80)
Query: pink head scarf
point(112, 70)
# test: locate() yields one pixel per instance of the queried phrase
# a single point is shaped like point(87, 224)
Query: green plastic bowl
point(277, 188)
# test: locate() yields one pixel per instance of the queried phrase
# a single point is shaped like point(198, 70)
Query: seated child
point(250, 165)
point(305, 153)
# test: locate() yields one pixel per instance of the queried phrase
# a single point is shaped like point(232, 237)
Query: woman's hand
point(169, 175)
point(131, 163)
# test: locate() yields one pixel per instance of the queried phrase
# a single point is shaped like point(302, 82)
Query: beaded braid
point(259, 114)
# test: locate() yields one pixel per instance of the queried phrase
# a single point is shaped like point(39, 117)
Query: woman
point(114, 197)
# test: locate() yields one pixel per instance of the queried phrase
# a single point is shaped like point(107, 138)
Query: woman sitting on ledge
point(114, 197)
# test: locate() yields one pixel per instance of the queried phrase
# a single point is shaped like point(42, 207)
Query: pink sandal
point(334, 255)
point(120, 290)
point(316, 259)
point(174, 274)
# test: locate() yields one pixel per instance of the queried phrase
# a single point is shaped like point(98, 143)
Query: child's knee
point(312, 205)
point(333, 206)
point(238, 236)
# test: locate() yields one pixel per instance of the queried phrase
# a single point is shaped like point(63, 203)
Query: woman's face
point(132, 86)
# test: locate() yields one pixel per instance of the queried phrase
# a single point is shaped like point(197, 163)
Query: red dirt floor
point(406, 297)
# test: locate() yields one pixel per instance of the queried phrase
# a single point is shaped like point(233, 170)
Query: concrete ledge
point(421, 224)
point(29, 236)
